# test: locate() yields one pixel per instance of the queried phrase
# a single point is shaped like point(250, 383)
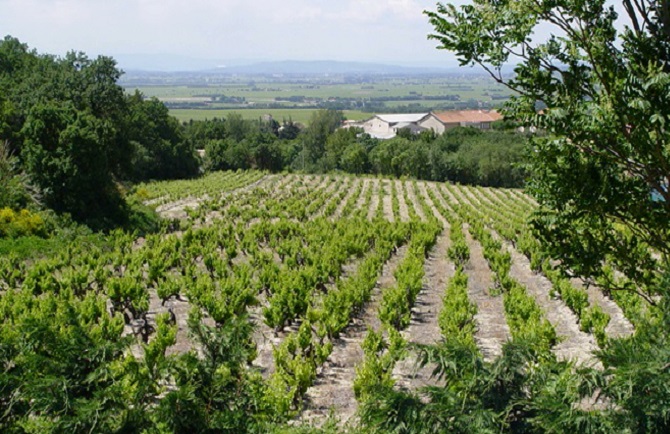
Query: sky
point(380, 31)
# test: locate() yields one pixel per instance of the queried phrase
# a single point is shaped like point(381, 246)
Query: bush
point(141, 218)
point(16, 224)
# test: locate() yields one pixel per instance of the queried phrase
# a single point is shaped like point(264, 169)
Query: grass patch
point(297, 115)
point(33, 247)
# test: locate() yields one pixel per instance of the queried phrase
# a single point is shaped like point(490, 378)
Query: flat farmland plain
point(276, 96)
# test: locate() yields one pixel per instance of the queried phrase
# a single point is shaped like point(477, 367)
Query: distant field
point(259, 91)
point(297, 115)
point(207, 100)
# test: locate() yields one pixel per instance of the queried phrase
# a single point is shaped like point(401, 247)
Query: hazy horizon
point(390, 32)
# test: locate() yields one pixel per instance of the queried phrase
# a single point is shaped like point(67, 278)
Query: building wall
point(479, 125)
point(377, 126)
point(433, 123)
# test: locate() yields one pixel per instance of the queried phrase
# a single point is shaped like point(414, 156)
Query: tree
point(601, 170)
point(16, 190)
point(606, 117)
point(268, 156)
point(354, 159)
point(66, 153)
point(336, 143)
point(160, 150)
point(321, 125)
point(237, 128)
point(63, 118)
point(289, 130)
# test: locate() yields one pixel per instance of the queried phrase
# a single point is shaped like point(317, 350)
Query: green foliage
point(321, 125)
point(61, 233)
point(606, 105)
point(459, 252)
point(23, 223)
point(215, 393)
point(354, 159)
point(241, 144)
point(456, 319)
point(512, 393)
point(464, 155)
point(375, 372)
point(159, 148)
point(141, 218)
point(63, 364)
point(636, 375)
point(395, 309)
point(75, 135)
point(598, 169)
point(66, 151)
point(594, 320)
point(488, 158)
point(16, 190)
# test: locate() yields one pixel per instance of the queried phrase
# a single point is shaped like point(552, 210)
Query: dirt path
point(351, 188)
point(177, 209)
point(437, 191)
point(360, 202)
point(411, 195)
point(333, 388)
point(449, 198)
point(492, 329)
point(424, 192)
point(424, 328)
point(575, 345)
point(402, 205)
point(265, 338)
point(374, 202)
point(385, 191)
point(331, 192)
point(470, 196)
point(524, 197)
point(619, 326)
point(180, 308)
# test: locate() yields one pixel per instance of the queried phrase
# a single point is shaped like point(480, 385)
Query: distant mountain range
point(138, 64)
point(326, 67)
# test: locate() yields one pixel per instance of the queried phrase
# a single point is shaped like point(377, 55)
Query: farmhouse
point(387, 126)
point(441, 121)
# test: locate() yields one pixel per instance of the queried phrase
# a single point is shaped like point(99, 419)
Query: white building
point(387, 126)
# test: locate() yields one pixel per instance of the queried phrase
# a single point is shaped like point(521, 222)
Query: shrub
point(16, 224)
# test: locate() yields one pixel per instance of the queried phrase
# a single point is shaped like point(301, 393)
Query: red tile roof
point(468, 116)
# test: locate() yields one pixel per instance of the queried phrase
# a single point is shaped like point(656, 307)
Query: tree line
point(463, 155)
point(70, 132)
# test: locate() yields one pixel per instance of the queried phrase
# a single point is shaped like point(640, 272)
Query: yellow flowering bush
point(15, 224)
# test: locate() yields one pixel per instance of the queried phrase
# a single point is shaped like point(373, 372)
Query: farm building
point(441, 121)
point(387, 126)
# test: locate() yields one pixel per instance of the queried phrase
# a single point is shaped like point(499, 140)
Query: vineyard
point(307, 291)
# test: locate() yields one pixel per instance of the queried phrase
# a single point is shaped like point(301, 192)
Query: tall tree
point(601, 170)
point(160, 150)
point(66, 153)
point(607, 113)
point(321, 125)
